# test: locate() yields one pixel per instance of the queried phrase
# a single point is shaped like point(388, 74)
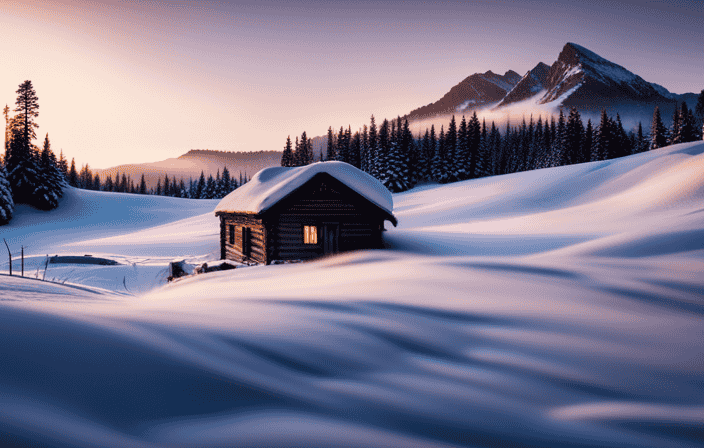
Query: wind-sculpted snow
point(561, 307)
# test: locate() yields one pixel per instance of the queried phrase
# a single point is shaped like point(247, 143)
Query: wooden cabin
point(302, 213)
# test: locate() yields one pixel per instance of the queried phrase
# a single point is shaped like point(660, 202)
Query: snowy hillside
point(556, 307)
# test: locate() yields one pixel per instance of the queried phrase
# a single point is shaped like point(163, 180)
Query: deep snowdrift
point(550, 308)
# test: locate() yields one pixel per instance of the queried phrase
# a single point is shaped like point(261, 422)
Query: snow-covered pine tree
point(585, 152)
point(73, 175)
point(658, 132)
point(450, 168)
point(287, 156)
point(484, 152)
point(476, 161)
point(558, 143)
point(209, 188)
point(331, 150)
point(395, 177)
point(494, 149)
point(462, 152)
point(641, 142)
point(373, 152)
point(142, 184)
point(688, 129)
point(62, 165)
point(602, 138)
point(21, 158)
point(355, 150)
point(341, 146)
point(7, 205)
point(573, 137)
point(49, 186)
point(382, 152)
point(364, 150)
point(439, 158)
point(622, 145)
point(675, 131)
point(226, 180)
point(305, 156)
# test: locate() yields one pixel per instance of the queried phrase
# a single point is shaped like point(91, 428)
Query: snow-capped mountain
point(578, 78)
point(474, 92)
point(531, 84)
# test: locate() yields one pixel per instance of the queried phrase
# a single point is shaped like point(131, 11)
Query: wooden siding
point(257, 238)
point(323, 200)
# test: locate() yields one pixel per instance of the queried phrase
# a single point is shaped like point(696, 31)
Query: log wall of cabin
point(257, 238)
point(325, 200)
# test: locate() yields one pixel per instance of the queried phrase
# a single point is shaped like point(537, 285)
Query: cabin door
point(331, 234)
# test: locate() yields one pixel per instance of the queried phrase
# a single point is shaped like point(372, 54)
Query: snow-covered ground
point(559, 307)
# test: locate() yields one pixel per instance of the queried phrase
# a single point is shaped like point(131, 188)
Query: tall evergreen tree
point(573, 138)
point(622, 144)
point(226, 182)
point(373, 153)
point(658, 132)
point(675, 135)
point(21, 158)
point(476, 162)
point(200, 187)
point(451, 168)
point(585, 152)
point(73, 174)
point(142, 184)
point(287, 156)
point(364, 150)
point(602, 139)
point(641, 142)
point(688, 128)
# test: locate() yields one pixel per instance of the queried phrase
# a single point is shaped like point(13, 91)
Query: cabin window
point(310, 235)
point(232, 234)
point(246, 243)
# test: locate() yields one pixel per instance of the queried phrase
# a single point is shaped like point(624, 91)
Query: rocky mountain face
point(578, 78)
point(530, 85)
point(475, 91)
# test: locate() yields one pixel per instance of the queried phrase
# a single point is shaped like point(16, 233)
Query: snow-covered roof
point(271, 185)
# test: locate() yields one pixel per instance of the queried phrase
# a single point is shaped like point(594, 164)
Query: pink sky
point(130, 81)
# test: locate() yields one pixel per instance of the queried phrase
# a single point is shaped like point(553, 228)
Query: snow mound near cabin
point(271, 185)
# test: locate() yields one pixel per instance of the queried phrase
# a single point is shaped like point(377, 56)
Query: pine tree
point(675, 134)
point(373, 152)
point(158, 190)
point(641, 142)
point(7, 205)
point(573, 138)
point(622, 146)
point(476, 161)
point(73, 174)
point(227, 182)
point(287, 156)
point(305, 156)
point(331, 150)
point(210, 188)
point(96, 183)
point(355, 151)
point(585, 152)
point(109, 186)
point(49, 186)
point(200, 187)
point(21, 158)
point(364, 150)
point(450, 162)
point(658, 132)
point(142, 184)
point(342, 146)
point(62, 165)
point(688, 130)
point(602, 139)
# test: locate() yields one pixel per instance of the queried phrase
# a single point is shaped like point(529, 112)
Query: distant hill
point(190, 165)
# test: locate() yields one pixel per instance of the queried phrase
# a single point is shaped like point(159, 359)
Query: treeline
point(471, 149)
point(204, 188)
point(28, 174)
